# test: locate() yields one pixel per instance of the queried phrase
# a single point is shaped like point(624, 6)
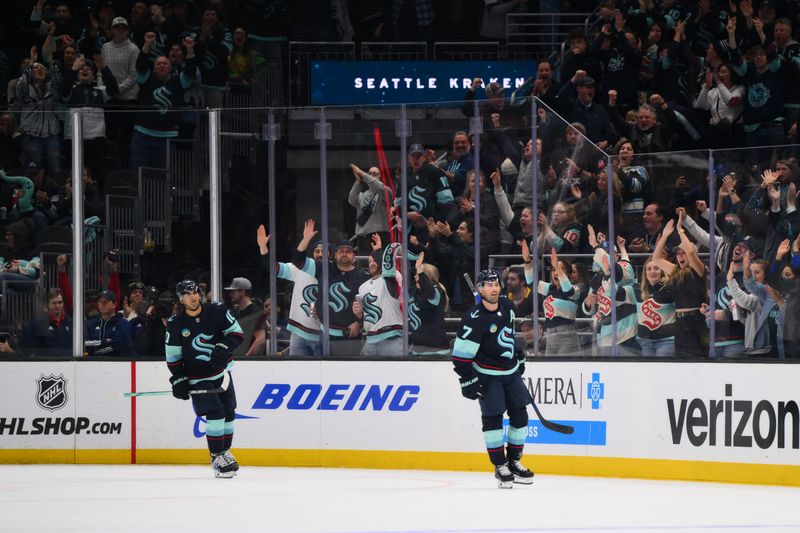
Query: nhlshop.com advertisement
point(63, 405)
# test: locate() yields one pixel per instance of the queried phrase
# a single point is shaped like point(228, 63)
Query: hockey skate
point(231, 460)
point(505, 479)
point(521, 474)
point(222, 467)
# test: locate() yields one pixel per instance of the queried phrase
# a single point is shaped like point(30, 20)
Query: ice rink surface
point(141, 498)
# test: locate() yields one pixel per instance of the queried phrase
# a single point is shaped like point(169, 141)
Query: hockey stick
point(552, 426)
point(214, 390)
point(472, 287)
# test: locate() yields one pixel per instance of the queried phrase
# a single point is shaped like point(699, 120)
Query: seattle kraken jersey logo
point(199, 344)
point(414, 321)
point(506, 337)
point(338, 294)
point(724, 298)
point(372, 313)
point(417, 202)
point(162, 97)
point(758, 94)
point(310, 297)
point(506, 340)
point(209, 61)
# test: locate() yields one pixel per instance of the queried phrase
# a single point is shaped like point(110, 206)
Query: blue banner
point(396, 82)
point(587, 433)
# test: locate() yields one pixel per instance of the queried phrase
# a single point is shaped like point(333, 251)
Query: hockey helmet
point(186, 286)
point(488, 275)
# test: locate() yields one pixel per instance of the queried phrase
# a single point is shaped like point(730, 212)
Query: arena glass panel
point(440, 147)
point(755, 202)
point(244, 171)
point(663, 312)
point(158, 217)
point(571, 197)
point(35, 217)
point(366, 316)
point(505, 210)
point(272, 164)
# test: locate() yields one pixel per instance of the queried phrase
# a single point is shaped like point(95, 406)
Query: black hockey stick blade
point(552, 426)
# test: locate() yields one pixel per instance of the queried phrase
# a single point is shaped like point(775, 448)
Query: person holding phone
point(370, 204)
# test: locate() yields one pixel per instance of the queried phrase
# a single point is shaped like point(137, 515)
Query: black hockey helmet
point(186, 286)
point(488, 275)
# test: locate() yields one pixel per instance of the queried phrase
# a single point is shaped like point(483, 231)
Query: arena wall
point(692, 421)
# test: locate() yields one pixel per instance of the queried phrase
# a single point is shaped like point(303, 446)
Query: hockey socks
point(494, 445)
point(517, 432)
point(228, 433)
point(493, 437)
point(516, 442)
point(215, 435)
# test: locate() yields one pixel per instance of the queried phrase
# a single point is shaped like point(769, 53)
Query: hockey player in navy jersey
point(490, 371)
point(200, 341)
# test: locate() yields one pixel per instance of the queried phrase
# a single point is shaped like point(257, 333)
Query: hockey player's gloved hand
point(220, 354)
point(471, 388)
point(180, 387)
point(521, 367)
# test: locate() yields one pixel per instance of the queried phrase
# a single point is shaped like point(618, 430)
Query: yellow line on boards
point(97, 457)
point(401, 460)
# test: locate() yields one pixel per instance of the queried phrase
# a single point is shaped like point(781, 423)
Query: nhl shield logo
point(51, 392)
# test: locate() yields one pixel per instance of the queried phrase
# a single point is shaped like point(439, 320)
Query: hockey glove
point(471, 388)
point(220, 355)
point(180, 387)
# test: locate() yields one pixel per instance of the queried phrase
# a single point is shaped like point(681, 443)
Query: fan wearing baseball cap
point(239, 295)
point(427, 194)
point(109, 334)
point(344, 279)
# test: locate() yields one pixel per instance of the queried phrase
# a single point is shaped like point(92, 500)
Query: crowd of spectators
point(655, 78)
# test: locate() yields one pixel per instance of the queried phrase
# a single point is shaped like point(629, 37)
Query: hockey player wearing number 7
point(490, 371)
point(200, 340)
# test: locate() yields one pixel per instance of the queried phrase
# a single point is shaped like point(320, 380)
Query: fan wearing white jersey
point(378, 303)
point(303, 325)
